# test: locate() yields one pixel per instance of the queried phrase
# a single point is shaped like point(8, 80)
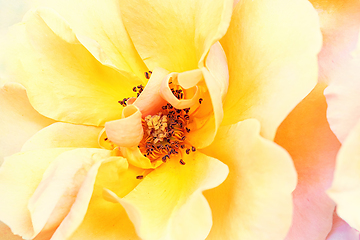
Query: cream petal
point(63, 80)
point(345, 189)
point(79, 208)
point(19, 121)
point(20, 174)
point(342, 96)
point(168, 203)
point(271, 47)
point(128, 131)
point(58, 189)
point(114, 222)
point(175, 35)
point(340, 25)
point(255, 201)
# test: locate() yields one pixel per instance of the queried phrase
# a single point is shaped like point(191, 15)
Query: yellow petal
point(208, 119)
point(175, 35)
point(168, 203)
point(64, 81)
point(79, 208)
point(19, 121)
point(20, 175)
point(345, 189)
point(60, 135)
point(128, 131)
point(255, 200)
point(272, 49)
point(102, 22)
point(57, 191)
point(106, 220)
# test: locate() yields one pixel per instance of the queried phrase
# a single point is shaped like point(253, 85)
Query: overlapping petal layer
point(342, 230)
point(345, 189)
point(101, 21)
point(114, 222)
point(63, 79)
point(255, 200)
point(20, 175)
point(175, 35)
point(168, 203)
point(342, 96)
point(340, 26)
point(19, 121)
point(306, 135)
point(272, 49)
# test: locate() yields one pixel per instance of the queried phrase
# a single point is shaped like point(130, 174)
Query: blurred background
point(11, 12)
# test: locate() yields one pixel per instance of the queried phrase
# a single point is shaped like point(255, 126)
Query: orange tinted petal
point(306, 135)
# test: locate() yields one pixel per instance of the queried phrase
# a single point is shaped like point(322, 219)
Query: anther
point(193, 149)
point(139, 177)
point(106, 139)
point(182, 162)
point(188, 151)
point(200, 100)
point(147, 75)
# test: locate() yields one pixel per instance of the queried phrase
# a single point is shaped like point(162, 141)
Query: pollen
point(165, 132)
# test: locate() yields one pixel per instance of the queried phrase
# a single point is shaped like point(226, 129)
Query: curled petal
point(209, 116)
point(137, 159)
point(167, 94)
point(150, 101)
point(128, 131)
point(190, 78)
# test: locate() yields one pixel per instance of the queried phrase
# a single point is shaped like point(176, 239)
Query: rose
point(267, 61)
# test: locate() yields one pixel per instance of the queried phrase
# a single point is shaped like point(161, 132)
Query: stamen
point(164, 133)
point(140, 177)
